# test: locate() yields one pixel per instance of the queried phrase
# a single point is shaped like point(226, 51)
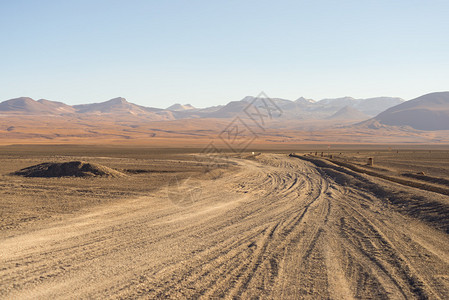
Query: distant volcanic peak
point(337, 102)
point(432, 101)
point(338, 99)
point(45, 101)
point(21, 100)
point(385, 98)
point(298, 109)
point(56, 107)
point(304, 100)
point(380, 102)
point(262, 96)
point(180, 107)
point(428, 112)
point(229, 110)
point(444, 94)
point(116, 105)
point(25, 98)
point(24, 105)
point(118, 100)
point(439, 98)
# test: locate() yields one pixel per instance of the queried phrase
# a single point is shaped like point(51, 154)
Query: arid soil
point(129, 129)
point(267, 226)
point(433, 163)
point(29, 203)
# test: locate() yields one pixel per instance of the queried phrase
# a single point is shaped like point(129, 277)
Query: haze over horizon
point(203, 53)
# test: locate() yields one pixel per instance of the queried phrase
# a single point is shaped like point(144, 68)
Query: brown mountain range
point(24, 120)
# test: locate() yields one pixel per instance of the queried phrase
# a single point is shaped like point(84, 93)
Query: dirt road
point(279, 228)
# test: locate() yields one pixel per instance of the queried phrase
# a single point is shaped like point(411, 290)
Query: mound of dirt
point(68, 169)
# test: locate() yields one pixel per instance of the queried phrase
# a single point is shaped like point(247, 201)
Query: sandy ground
point(131, 129)
point(278, 227)
point(30, 203)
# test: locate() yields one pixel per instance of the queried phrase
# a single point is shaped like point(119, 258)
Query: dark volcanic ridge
point(68, 169)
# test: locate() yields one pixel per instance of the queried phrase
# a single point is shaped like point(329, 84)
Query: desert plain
point(179, 223)
point(224, 150)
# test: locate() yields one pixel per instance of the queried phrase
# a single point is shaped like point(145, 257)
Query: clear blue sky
point(156, 53)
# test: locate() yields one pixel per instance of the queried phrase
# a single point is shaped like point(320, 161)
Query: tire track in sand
point(279, 228)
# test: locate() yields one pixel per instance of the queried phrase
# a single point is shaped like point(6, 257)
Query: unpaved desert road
point(278, 228)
